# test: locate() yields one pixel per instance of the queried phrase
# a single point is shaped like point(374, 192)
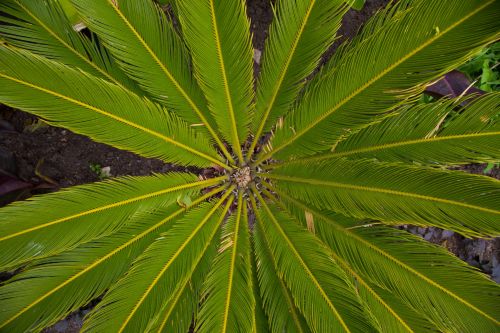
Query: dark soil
point(50, 155)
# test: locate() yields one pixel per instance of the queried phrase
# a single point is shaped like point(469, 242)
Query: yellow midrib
point(291, 305)
point(377, 190)
point(119, 119)
point(373, 292)
point(302, 263)
point(187, 279)
point(384, 254)
point(109, 255)
point(172, 79)
point(220, 57)
point(174, 257)
point(113, 205)
point(66, 45)
point(375, 79)
point(282, 75)
point(232, 263)
point(398, 144)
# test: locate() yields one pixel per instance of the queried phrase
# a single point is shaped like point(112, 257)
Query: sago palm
point(295, 231)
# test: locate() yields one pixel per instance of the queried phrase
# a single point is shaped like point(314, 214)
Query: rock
point(447, 234)
point(256, 55)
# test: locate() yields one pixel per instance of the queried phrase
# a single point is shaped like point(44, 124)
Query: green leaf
point(299, 35)
point(276, 298)
point(417, 135)
point(42, 27)
point(228, 290)
point(383, 69)
point(311, 274)
point(107, 113)
point(416, 272)
point(218, 35)
point(52, 288)
point(397, 193)
point(260, 320)
point(55, 222)
point(149, 51)
point(135, 301)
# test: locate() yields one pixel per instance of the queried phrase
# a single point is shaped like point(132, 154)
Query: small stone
point(421, 230)
point(61, 326)
point(257, 55)
point(447, 234)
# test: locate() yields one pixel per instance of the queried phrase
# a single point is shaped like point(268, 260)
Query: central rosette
point(242, 177)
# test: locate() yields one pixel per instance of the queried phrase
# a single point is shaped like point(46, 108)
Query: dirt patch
point(57, 154)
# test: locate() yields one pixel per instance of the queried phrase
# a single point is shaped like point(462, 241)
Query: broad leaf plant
point(295, 228)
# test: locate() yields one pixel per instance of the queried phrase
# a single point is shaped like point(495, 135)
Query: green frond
point(397, 193)
point(277, 301)
point(298, 36)
point(218, 36)
point(320, 288)
point(48, 224)
point(138, 298)
point(417, 134)
point(178, 313)
point(43, 28)
point(77, 275)
point(377, 73)
point(88, 105)
point(51, 288)
point(450, 294)
point(391, 313)
point(228, 291)
point(148, 50)
point(259, 318)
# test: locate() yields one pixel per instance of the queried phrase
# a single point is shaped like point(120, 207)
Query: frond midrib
point(110, 254)
point(172, 79)
point(348, 268)
point(302, 263)
point(222, 68)
point(389, 146)
point(176, 255)
point(382, 252)
point(377, 190)
point(116, 204)
point(374, 80)
point(69, 47)
point(282, 75)
point(119, 119)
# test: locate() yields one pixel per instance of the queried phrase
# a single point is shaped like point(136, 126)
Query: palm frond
point(151, 53)
point(178, 313)
point(277, 301)
point(88, 105)
point(259, 318)
point(397, 193)
point(154, 277)
point(228, 288)
point(391, 313)
point(55, 222)
point(310, 273)
point(299, 35)
point(375, 74)
point(42, 27)
point(217, 33)
point(450, 294)
point(77, 275)
point(417, 134)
